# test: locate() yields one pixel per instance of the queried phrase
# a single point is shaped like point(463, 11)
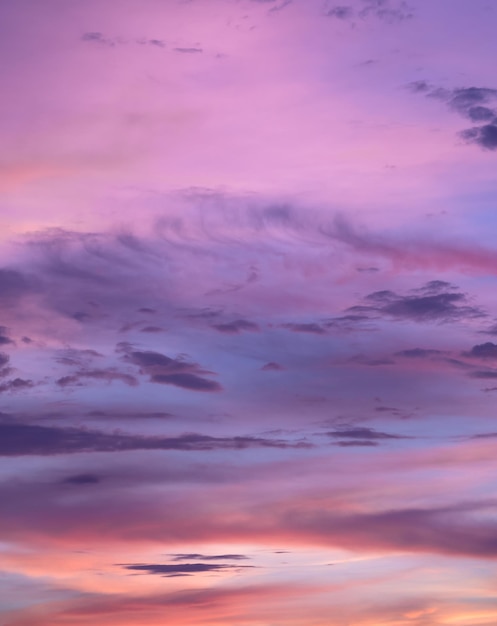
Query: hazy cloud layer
point(31, 439)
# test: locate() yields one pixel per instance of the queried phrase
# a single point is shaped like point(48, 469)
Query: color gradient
point(248, 341)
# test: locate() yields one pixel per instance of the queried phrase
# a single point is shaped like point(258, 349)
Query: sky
point(248, 331)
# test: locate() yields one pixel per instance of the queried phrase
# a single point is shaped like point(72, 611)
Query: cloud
point(492, 330)
point(4, 338)
point(418, 353)
point(186, 381)
point(280, 7)
point(151, 42)
point(472, 103)
point(4, 360)
point(340, 12)
point(188, 569)
point(165, 370)
point(185, 568)
point(227, 605)
point(312, 328)
point(82, 479)
point(484, 374)
point(484, 136)
point(349, 323)
point(446, 530)
point(484, 436)
point(412, 252)
point(483, 351)
point(14, 284)
point(76, 357)
point(390, 11)
point(442, 307)
point(105, 375)
point(237, 327)
point(363, 434)
point(359, 443)
point(128, 414)
point(99, 38)
point(215, 557)
point(30, 439)
point(17, 384)
point(188, 50)
point(272, 367)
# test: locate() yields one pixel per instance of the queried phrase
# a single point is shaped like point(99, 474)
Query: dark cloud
point(151, 42)
point(188, 50)
point(457, 363)
point(186, 381)
point(82, 479)
point(272, 367)
point(184, 568)
point(17, 384)
point(484, 436)
point(418, 353)
point(127, 414)
point(359, 443)
point(484, 374)
point(350, 323)
point(312, 328)
point(165, 370)
point(390, 11)
point(99, 38)
point(377, 362)
point(92, 36)
point(436, 286)
point(95, 278)
point(481, 114)
point(215, 557)
point(444, 306)
point(465, 100)
point(31, 439)
point(340, 12)
point(365, 434)
point(109, 375)
point(281, 6)
point(14, 284)
point(202, 314)
point(152, 329)
point(472, 103)
point(483, 351)
point(367, 270)
point(74, 357)
point(237, 327)
point(4, 338)
point(489, 331)
point(484, 136)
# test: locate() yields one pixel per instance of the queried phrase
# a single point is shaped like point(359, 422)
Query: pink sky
point(248, 342)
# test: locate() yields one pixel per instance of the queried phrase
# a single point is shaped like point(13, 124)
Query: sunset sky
point(248, 332)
